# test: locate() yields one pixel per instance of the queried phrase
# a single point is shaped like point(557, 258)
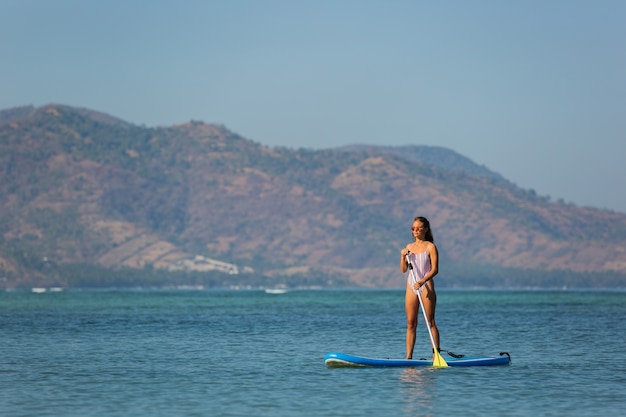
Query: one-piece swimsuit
point(421, 266)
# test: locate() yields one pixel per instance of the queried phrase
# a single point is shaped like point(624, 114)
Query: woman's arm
point(403, 264)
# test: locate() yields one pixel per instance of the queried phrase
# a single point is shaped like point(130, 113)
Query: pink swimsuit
point(421, 266)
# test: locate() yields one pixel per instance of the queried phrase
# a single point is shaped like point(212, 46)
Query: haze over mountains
point(87, 199)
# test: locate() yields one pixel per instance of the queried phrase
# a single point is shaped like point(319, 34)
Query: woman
point(425, 259)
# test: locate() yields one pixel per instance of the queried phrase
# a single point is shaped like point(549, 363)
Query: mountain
point(434, 156)
point(87, 199)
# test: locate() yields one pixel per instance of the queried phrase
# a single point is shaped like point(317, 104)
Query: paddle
point(438, 360)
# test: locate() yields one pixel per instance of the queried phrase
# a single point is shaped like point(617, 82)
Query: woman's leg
point(411, 304)
point(429, 297)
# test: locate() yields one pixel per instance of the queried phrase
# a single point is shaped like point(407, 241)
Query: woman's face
point(419, 230)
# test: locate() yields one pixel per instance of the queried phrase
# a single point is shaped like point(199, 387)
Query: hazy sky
point(534, 90)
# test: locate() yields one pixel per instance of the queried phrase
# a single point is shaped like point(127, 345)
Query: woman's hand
point(404, 265)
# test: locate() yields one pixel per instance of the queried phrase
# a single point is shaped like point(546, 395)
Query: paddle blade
point(439, 361)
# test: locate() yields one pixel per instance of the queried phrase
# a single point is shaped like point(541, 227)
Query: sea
point(260, 353)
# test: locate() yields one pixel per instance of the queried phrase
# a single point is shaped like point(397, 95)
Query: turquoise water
point(248, 353)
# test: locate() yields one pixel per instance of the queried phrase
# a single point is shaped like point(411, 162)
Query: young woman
point(425, 259)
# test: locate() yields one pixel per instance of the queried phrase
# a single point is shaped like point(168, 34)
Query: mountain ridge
point(84, 188)
point(435, 156)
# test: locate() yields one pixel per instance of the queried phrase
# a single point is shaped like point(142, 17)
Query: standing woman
point(425, 259)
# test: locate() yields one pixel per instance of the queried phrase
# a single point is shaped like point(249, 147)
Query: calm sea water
point(249, 353)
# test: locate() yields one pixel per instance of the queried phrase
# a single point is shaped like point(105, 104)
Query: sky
point(535, 90)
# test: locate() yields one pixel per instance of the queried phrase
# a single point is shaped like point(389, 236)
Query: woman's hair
point(426, 223)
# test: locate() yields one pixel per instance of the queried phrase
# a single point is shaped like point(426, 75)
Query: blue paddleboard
point(337, 360)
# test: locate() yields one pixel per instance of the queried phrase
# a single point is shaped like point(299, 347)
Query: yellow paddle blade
point(439, 361)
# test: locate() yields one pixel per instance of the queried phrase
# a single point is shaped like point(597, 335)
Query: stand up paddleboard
point(338, 360)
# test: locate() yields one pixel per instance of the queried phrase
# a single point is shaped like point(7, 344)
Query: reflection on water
point(417, 391)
